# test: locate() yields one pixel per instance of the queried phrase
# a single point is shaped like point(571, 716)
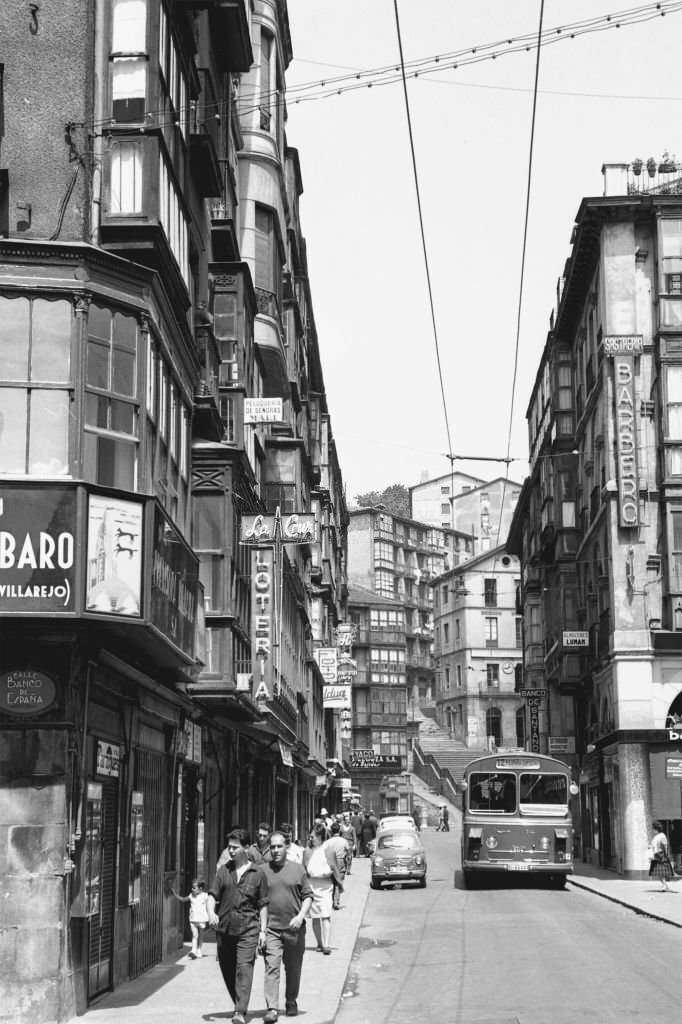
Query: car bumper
point(403, 875)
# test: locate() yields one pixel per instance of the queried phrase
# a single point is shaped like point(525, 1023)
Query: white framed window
point(172, 218)
point(125, 194)
point(128, 60)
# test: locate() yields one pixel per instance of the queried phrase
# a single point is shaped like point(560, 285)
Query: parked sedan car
point(391, 822)
point(398, 856)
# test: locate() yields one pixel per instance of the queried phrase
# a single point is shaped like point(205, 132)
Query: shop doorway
point(147, 842)
point(99, 878)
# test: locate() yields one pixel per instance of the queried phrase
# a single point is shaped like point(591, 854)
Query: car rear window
point(398, 841)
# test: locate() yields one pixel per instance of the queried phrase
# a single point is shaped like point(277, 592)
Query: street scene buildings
point(199, 629)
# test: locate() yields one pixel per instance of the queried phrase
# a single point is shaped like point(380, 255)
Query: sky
point(605, 96)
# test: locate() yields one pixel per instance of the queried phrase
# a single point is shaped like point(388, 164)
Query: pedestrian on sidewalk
point(238, 910)
point(443, 819)
point(294, 851)
point(660, 866)
point(197, 898)
point(368, 831)
point(320, 864)
point(260, 850)
point(290, 899)
point(348, 833)
point(336, 849)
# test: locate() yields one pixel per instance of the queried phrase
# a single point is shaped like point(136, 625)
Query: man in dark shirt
point(238, 910)
point(260, 850)
point(290, 899)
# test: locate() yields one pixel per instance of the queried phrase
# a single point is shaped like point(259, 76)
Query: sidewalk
point(181, 991)
point(643, 895)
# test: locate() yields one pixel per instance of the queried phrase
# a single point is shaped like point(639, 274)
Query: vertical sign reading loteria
point(262, 598)
point(623, 349)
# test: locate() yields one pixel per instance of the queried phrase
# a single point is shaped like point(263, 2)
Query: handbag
point(659, 855)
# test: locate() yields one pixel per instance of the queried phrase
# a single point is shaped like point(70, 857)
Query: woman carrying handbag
point(660, 866)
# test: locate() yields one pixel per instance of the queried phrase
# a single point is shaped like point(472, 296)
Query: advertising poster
point(114, 574)
point(37, 550)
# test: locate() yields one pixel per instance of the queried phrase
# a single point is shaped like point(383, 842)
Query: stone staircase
point(447, 753)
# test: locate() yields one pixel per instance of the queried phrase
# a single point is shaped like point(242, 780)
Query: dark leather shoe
point(270, 1017)
point(292, 1010)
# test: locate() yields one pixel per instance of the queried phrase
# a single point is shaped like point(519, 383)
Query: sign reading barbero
point(623, 348)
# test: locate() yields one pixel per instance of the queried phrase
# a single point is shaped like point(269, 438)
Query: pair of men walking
point(260, 908)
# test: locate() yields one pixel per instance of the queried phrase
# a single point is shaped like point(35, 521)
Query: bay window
point(36, 376)
point(129, 60)
point(673, 418)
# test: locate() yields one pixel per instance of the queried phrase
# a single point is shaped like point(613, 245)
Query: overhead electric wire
point(390, 74)
point(251, 99)
point(524, 247)
point(425, 251)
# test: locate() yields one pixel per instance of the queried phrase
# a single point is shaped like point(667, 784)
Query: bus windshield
point(543, 789)
point(492, 792)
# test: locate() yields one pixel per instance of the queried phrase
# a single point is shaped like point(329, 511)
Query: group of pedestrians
point(259, 902)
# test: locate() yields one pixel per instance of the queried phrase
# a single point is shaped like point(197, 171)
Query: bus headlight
point(544, 843)
point(491, 842)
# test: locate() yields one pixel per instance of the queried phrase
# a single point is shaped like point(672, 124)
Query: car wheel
point(374, 884)
point(558, 881)
point(422, 882)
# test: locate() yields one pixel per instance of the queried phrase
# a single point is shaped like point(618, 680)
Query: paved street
point(515, 952)
point(604, 950)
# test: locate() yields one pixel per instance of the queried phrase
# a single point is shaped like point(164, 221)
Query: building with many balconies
point(477, 652)
point(597, 528)
point(154, 280)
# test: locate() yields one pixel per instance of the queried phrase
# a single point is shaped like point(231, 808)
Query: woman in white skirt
point(321, 874)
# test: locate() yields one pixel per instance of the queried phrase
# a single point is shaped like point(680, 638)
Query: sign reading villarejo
point(37, 550)
point(26, 692)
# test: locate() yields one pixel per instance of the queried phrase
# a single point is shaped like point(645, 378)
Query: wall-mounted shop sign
point(575, 638)
point(190, 742)
point(263, 530)
point(369, 759)
point(24, 692)
point(336, 697)
point(108, 759)
point(262, 410)
point(37, 550)
point(175, 575)
point(561, 744)
point(114, 573)
point(673, 767)
point(345, 636)
point(533, 694)
point(327, 660)
point(626, 430)
point(623, 344)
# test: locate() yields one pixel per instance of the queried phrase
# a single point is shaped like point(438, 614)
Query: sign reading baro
point(37, 549)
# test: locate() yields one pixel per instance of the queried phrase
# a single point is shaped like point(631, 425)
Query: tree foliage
point(395, 497)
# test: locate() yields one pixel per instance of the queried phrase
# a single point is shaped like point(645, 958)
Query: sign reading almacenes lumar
point(623, 348)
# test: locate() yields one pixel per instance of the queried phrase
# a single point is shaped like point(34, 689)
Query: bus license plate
point(518, 867)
